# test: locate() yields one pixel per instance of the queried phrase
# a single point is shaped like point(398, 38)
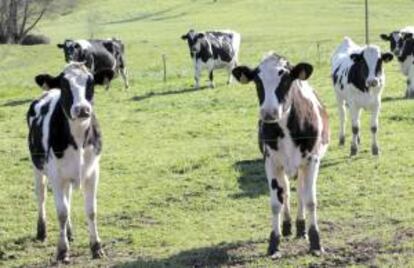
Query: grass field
point(182, 180)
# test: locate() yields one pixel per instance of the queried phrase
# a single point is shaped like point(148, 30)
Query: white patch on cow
point(371, 55)
point(84, 44)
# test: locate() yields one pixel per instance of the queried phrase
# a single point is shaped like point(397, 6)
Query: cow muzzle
point(82, 112)
point(373, 83)
point(270, 116)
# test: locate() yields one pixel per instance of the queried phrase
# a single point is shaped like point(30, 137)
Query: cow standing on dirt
point(98, 55)
point(213, 50)
point(294, 131)
point(358, 78)
point(65, 146)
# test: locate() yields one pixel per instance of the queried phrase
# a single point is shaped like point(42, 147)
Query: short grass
point(182, 180)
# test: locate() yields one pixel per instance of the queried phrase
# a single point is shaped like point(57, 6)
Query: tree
point(19, 17)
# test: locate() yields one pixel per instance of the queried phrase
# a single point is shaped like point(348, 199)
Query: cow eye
point(281, 72)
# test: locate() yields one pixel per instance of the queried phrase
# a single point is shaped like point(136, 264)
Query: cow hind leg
point(309, 198)
point(374, 129)
point(300, 220)
point(90, 189)
point(41, 191)
point(124, 74)
point(211, 78)
point(355, 114)
point(342, 120)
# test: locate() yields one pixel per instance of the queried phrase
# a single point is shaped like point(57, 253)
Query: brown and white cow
point(294, 132)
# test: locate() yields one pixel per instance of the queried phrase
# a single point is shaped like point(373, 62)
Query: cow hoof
point(274, 242)
point(354, 150)
point(317, 252)
point(41, 231)
point(97, 252)
point(277, 255)
point(375, 150)
point(314, 240)
point(63, 256)
point(286, 228)
point(341, 141)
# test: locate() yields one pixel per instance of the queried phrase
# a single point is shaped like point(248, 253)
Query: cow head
point(396, 40)
point(369, 62)
point(194, 40)
point(76, 84)
point(273, 78)
point(71, 49)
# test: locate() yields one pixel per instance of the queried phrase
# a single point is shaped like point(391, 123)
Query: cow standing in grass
point(295, 133)
point(65, 146)
point(358, 78)
point(98, 55)
point(402, 47)
point(213, 50)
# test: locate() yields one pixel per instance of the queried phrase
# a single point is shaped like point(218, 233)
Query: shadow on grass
point(172, 92)
point(390, 99)
point(252, 180)
point(14, 103)
point(224, 254)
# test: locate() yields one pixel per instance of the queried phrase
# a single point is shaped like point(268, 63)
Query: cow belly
point(287, 156)
point(354, 96)
point(214, 64)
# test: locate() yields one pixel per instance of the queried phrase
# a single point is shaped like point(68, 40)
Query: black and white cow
point(65, 145)
point(358, 78)
point(213, 50)
point(98, 55)
point(294, 131)
point(404, 52)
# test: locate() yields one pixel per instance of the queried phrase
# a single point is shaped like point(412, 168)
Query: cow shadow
point(252, 179)
point(224, 254)
point(14, 103)
point(390, 99)
point(166, 93)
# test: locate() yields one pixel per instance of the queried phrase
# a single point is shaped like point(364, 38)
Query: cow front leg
point(287, 220)
point(230, 75)
point(300, 219)
point(309, 198)
point(276, 202)
point(62, 207)
point(41, 190)
point(355, 114)
point(374, 128)
point(90, 190)
point(68, 194)
point(342, 120)
point(197, 74)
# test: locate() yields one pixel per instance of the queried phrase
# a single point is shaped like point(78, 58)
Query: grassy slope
point(182, 182)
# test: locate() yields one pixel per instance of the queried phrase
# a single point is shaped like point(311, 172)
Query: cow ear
point(60, 45)
point(356, 57)
point(302, 71)
point(387, 57)
point(201, 35)
point(109, 45)
point(244, 74)
point(385, 37)
point(47, 81)
point(184, 36)
point(103, 77)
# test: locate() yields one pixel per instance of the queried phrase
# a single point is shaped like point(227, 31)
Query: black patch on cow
point(60, 137)
point(271, 133)
point(304, 136)
point(374, 129)
point(274, 242)
point(407, 50)
point(260, 90)
point(66, 96)
point(210, 76)
point(279, 190)
point(287, 228)
point(314, 239)
point(35, 137)
point(283, 87)
point(358, 74)
point(335, 75)
point(355, 130)
point(41, 230)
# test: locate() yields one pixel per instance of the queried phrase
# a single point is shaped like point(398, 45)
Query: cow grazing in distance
point(65, 146)
point(98, 55)
point(213, 50)
point(358, 78)
point(294, 132)
point(401, 45)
